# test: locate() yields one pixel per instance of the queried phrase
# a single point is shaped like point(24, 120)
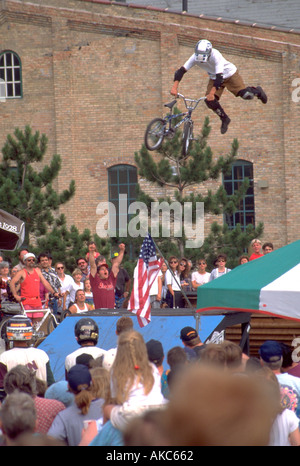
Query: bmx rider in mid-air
point(222, 73)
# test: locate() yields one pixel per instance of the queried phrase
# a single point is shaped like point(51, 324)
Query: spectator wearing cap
point(191, 341)
point(21, 255)
point(30, 278)
point(156, 354)
point(68, 424)
point(103, 282)
point(271, 356)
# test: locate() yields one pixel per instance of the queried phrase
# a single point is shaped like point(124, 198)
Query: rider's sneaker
point(262, 95)
point(225, 123)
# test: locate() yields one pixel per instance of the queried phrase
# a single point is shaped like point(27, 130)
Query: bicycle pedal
point(40, 334)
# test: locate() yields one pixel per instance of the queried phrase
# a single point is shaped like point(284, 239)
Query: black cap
point(155, 350)
point(188, 333)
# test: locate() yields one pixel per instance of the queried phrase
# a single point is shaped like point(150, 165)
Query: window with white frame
point(10, 76)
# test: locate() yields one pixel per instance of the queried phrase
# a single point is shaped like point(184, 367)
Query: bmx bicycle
point(42, 327)
point(160, 128)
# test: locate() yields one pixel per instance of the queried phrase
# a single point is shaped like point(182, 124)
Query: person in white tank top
point(80, 305)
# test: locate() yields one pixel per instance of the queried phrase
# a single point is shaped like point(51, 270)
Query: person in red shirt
point(103, 281)
point(30, 278)
point(256, 249)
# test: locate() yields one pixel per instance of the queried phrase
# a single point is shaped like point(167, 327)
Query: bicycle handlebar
point(190, 104)
point(188, 99)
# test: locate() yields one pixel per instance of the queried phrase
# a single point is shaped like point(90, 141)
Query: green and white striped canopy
point(268, 285)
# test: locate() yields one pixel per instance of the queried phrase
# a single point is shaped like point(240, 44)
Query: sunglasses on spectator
point(173, 262)
point(182, 264)
point(201, 263)
point(30, 260)
point(59, 268)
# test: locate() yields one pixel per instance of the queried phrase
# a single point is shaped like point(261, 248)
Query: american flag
point(144, 275)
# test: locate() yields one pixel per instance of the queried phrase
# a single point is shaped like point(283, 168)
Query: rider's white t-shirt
point(33, 358)
point(215, 64)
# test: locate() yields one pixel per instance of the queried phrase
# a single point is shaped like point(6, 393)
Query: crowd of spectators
point(131, 394)
point(177, 278)
point(206, 394)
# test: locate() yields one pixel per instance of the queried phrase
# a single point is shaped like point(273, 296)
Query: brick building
point(93, 73)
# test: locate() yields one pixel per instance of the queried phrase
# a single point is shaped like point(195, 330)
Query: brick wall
point(95, 73)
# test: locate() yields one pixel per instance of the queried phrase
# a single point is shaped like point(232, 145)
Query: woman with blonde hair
point(135, 382)
point(255, 249)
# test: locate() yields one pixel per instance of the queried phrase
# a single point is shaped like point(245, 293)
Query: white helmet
point(203, 50)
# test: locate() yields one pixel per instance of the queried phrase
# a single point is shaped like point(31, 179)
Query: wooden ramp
point(264, 328)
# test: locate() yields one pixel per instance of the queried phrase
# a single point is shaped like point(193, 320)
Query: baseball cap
point(79, 377)
point(270, 351)
point(155, 350)
point(188, 333)
point(102, 265)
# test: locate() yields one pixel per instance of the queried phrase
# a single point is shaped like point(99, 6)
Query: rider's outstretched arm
point(177, 78)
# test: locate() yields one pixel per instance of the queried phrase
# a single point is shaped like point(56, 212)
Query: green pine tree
point(27, 191)
point(181, 173)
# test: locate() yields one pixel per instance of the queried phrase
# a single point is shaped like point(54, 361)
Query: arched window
point(245, 215)
point(10, 76)
point(122, 180)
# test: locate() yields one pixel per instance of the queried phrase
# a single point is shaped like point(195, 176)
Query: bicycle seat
point(171, 104)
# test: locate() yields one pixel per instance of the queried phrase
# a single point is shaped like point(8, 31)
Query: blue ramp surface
point(165, 328)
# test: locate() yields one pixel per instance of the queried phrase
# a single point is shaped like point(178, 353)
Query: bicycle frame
point(38, 324)
point(159, 128)
point(190, 104)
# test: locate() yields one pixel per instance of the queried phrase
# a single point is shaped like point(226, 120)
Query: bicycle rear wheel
point(155, 134)
point(52, 324)
point(186, 137)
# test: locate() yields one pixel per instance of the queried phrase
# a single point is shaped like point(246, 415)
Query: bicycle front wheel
point(155, 134)
point(186, 137)
point(3, 326)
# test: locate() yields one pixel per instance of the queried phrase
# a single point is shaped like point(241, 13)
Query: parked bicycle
point(160, 128)
point(42, 327)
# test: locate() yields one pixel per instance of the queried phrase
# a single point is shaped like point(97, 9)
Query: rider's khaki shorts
point(234, 84)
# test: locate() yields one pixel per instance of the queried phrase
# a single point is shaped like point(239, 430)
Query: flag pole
point(183, 292)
